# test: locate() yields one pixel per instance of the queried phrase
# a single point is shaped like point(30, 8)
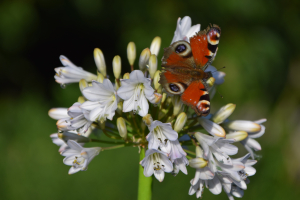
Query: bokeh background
point(259, 47)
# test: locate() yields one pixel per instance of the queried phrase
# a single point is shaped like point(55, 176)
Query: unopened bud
point(147, 119)
point(210, 82)
point(211, 127)
point(164, 97)
point(81, 99)
point(144, 59)
point(199, 152)
point(100, 62)
point(117, 66)
point(180, 122)
point(198, 163)
point(223, 113)
point(62, 124)
point(100, 78)
point(121, 124)
point(178, 105)
point(58, 113)
point(152, 65)
point(83, 84)
point(156, 83)
point(126, 76)
point(237, 135)
point(131, 53)
point(243, 125)
point(155, 45)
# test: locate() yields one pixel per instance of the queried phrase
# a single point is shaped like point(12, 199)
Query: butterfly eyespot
point(180, 48)
point(175, 88)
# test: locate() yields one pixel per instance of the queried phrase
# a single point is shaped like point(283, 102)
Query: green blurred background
point(259, 47)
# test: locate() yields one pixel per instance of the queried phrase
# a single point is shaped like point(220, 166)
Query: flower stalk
point(145, 183)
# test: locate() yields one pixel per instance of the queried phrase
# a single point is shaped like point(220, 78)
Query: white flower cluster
point(121, 111)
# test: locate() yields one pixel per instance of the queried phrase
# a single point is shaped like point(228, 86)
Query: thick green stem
point(145, 183)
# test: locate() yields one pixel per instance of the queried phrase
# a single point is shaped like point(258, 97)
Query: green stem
point(113, 147)
point(145, 183)
point(189, 152)
point(106, 142)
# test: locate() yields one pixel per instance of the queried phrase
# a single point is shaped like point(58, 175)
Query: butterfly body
point(184, 67)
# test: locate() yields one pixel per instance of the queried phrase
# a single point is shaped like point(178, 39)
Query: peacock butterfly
point(184, 67)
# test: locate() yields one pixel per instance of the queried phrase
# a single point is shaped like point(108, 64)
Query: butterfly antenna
point(220, 94)
point(219, 69)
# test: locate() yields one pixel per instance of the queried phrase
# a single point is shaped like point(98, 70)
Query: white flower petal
point(74, 145)
point(58, 113)
point(211, 127)
point(214, 185)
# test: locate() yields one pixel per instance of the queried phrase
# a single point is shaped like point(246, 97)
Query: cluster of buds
point(134, 110)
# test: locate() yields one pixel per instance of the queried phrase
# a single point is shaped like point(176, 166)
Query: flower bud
point(155, 45)
point(199, 152)
point(117, 66)
point(131, 53)
point(62, 124)
point(237, 135)
point(223, 113)
point(210, 82)
point(243, 125)
point(144, 58)
point(152, 65)
point(178, 105)
point(180, 122)
point(83, 84)
point(147, 119)
point(100, 78)
point(126, 76)
point(156, 79)
point(211, 127)
point(164, 97)
point(121, 124)
point(198, 163)
point(100, 62)
point(58, 113)
point(81, 99)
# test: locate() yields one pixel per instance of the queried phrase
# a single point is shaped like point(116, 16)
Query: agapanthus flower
point(160, 136)
point(103, 101)
point(70, 73)
point(184, 29)
point(78, 118)
point(78, 157)
point(135, 91)
point(157, 163)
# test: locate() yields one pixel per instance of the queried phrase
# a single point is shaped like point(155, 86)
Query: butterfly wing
point(204, 46)
point(196, 96)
